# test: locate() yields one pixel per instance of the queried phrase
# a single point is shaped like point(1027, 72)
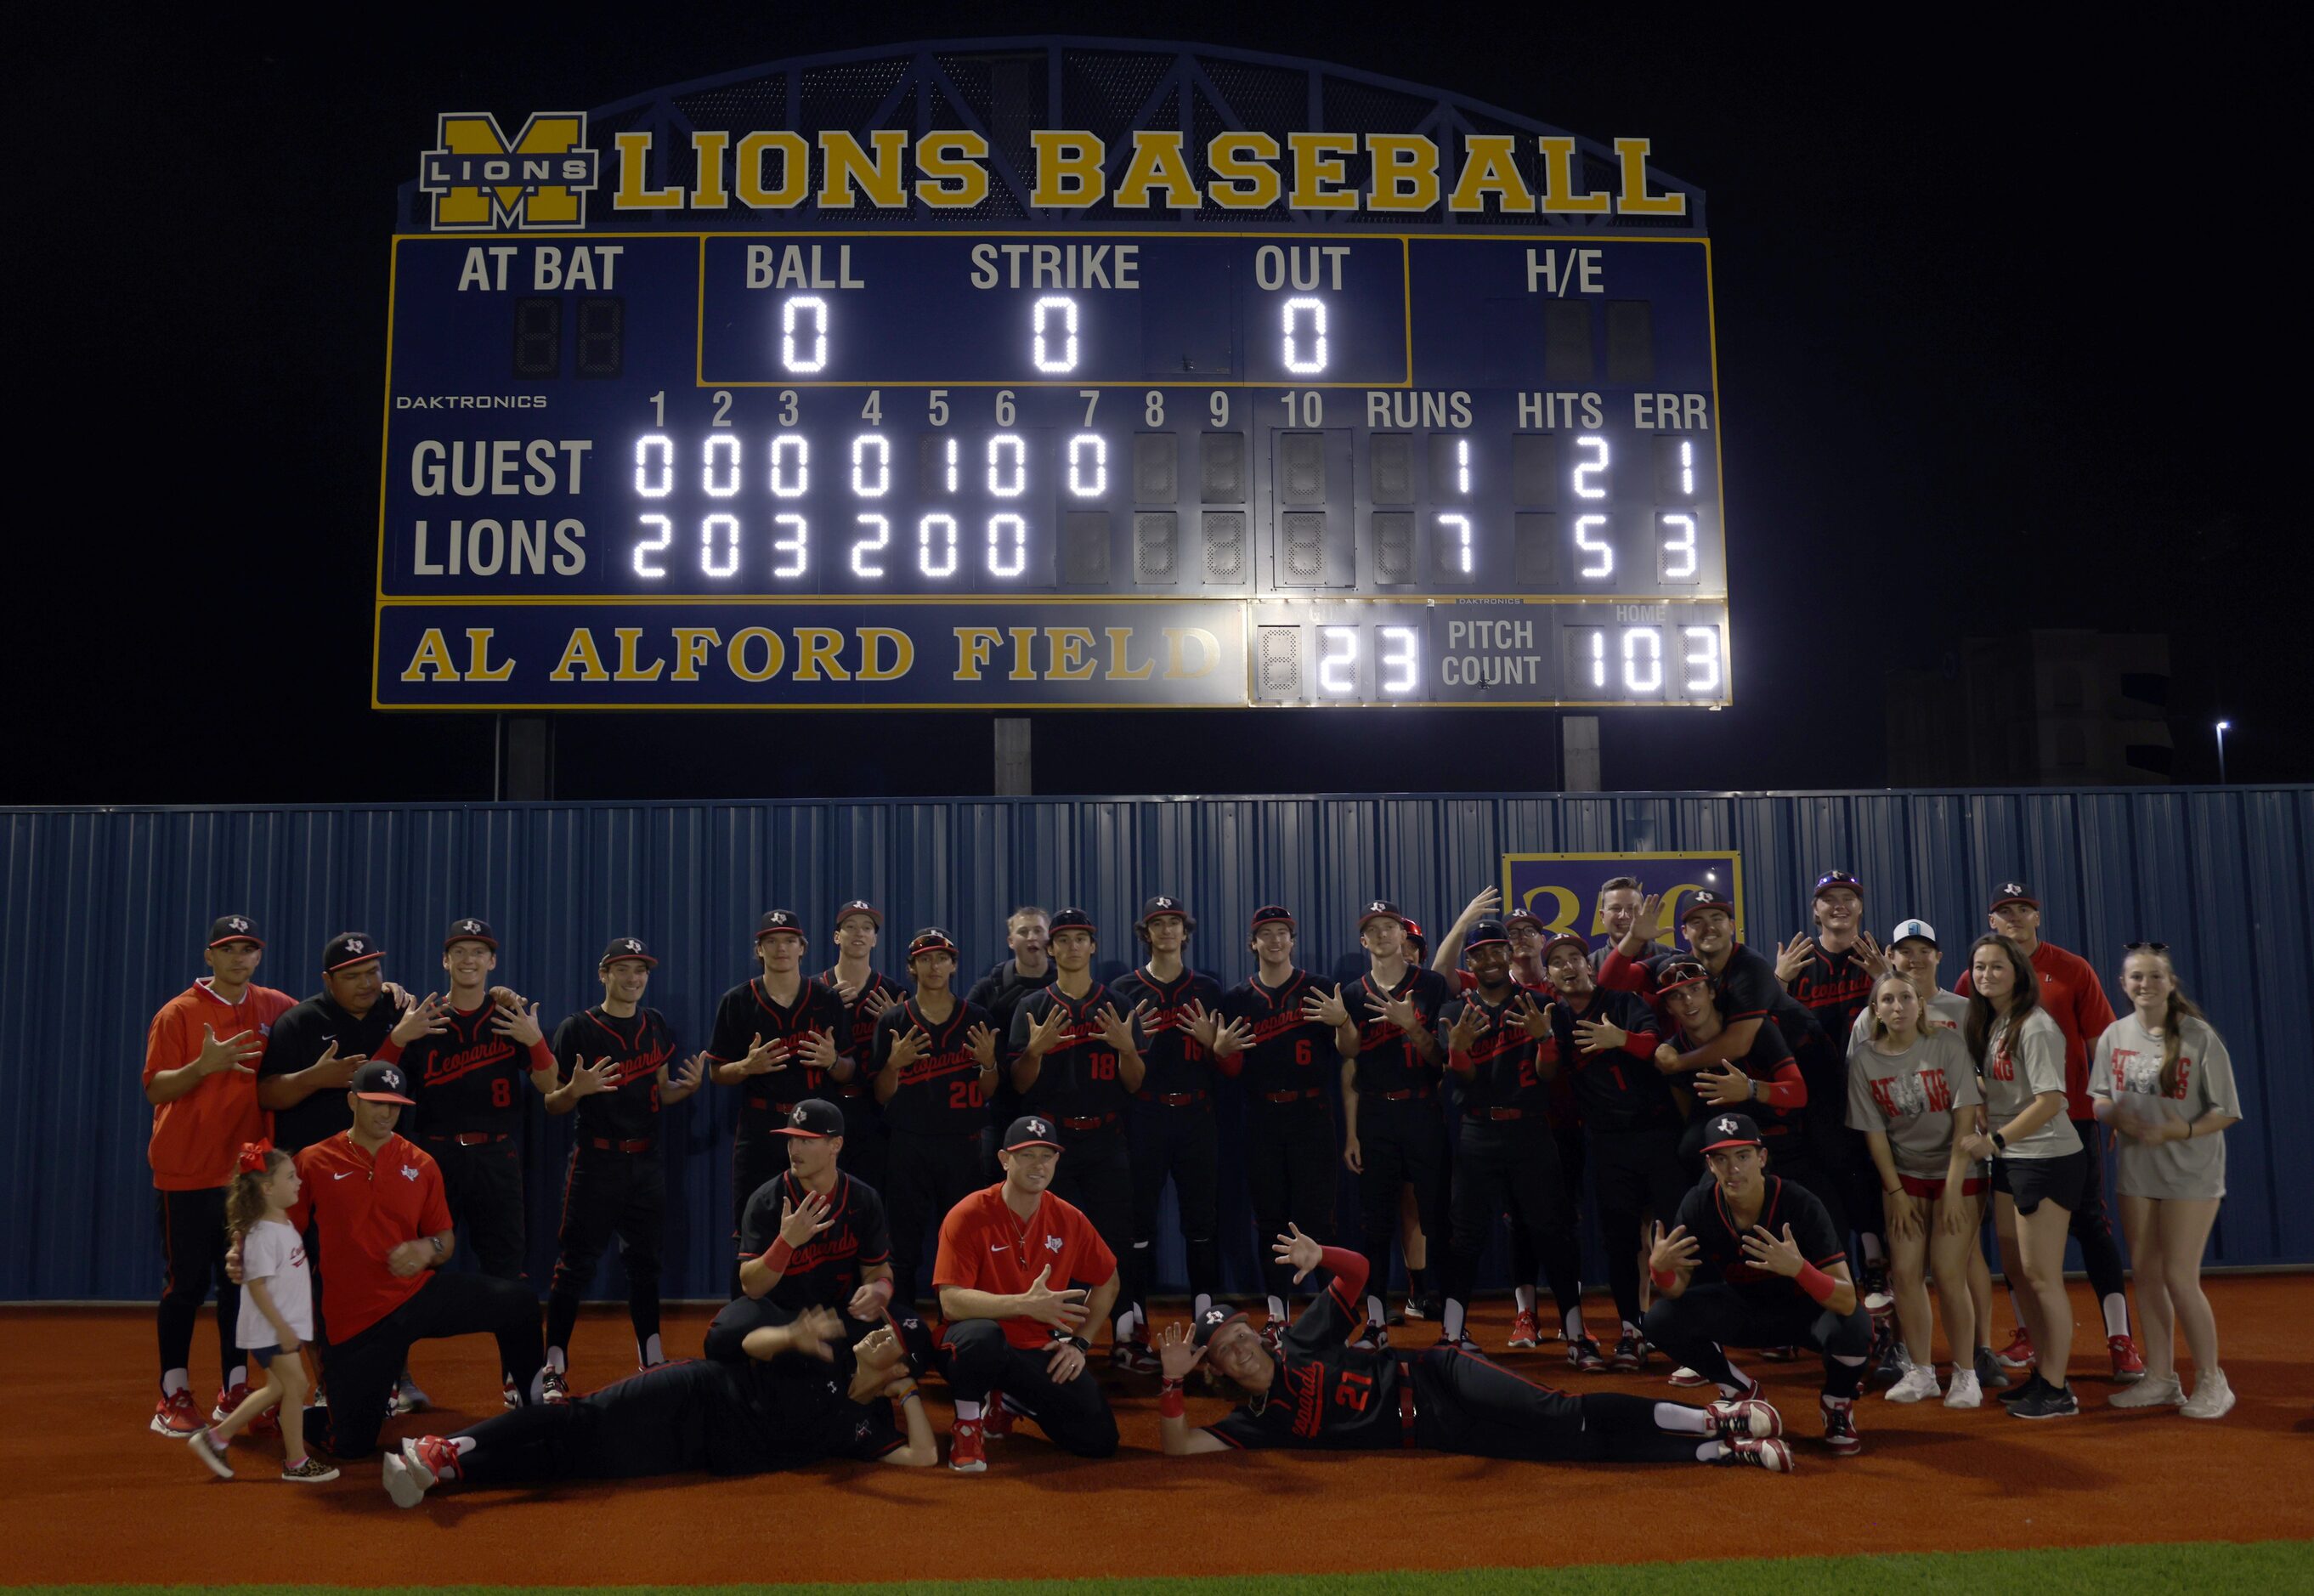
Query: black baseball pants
point(929, 1176)
point(1074, 1415)
point(609, 1193)
point(1638, 1176)
point(482, 1184)
point(1183, 1145)
point(1693, 1327)
point(754, 1159)
point(192, 1255)
point(673, 1419)
point(1289, 1175)
point(1512, 1166)
point(1402, 1144)
point(2092, 1224)
point(866, 1140)
point(1095, 1173)
point(1464, 1404)
point(362, 1368)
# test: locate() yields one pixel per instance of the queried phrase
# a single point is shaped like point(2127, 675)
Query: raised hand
point(519, 1025)
point(1486, 902)
point(815, 1332)
point(1203, 1023)
point(877, 1001)
point(331, 1071)
point(397, 994)
point(587, 1080)
point(1871, 956)
point(1723, 1086)
point(800, 1223)
point(1301, 1253)
point(1646, 925)
point(763, 1057)
point(1327, 1010)
point(1063, 1311)
point(907, 1047)
point(849, 990)
point(1600, 1036)
point(984, 1045)
point(1178, 1351)
point(1046, 1032)
point(819, 1051)
point(1235, 1036)
point(1537, 1021)
point(686, 1080)
point(1778, 1254)
point(1469, 1026)
point(1401, 1011)
point(1116, 1029)
point(429, 1016)
point(1672, 1249)
point(1793, 957)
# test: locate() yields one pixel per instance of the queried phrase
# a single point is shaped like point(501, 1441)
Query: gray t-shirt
point(1911, 1096)
point(2127, 1072)
point(2017, 1070)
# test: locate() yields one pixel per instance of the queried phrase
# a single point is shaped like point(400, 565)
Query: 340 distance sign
point(925, 466)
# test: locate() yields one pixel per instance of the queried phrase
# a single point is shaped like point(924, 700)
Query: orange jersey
point(197, 1139)
point(365, 1207)
point(986, 1246)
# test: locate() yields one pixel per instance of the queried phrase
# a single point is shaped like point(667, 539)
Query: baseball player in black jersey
point(1755, 1261)
point(932, 1062)
point(1076, 1060)
point(1279, 1025)
point(1606, 1041)
point(780, 1039)
point(616, 1061)
point(1393, 1134)
point(1170, 1128)
point(1319, 1392)
point(317, 1046)
point(466, 1060)
point(865, 993)
point(813, 1236)
point(1495, 1037)
point(1028, 933)
point(790, 1393)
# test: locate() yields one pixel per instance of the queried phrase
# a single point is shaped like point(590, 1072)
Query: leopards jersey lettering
point(1078, 1079)
point(638, 1048)
point(747, 1012)
point(1834, 987)
point(1506, 1060)
point(940, 1094)
point(827, 1269)
point(1328, 1395)
point(469, 1080)
point(1387, 1060)
point(1176, 1061)
point(861, 1038)
point(1287, 1053)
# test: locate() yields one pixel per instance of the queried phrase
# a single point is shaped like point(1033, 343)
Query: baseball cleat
point(1774, 1455)
point(553, 1386)
point(2128, 1363)
point(1687, 1378)
point(1584, 1354)
point(1525, 1332)
point(417, 1466)
point(1460, 1344)
point(1744, 1418)
point(507, 1394)
point(1412, 1310)
point(1779, 1354)
point(175, 1416)
point(407, 1397)
point(313, 1471)
point(1630, 1353)
point(209, 1452)
point(2018, 1353)
point(1840, 1426)
point(1135, 1356)
point(1371, 1337)
point(995, 1419)
point(964, 1450)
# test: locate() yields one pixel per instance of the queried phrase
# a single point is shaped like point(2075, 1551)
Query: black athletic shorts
point(2030, 1180)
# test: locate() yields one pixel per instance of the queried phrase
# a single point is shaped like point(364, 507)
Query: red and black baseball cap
point(1675, 973)
point(779, 920)
point(930, 940)
point(1216, 1318)
point(1487, 932)
point(2014, 892)
point(1075, 920)
point(349, 949)
point(1381, 909)
point(815, 1119)
point(859, 906)
point(1566, 940)
point(469, 930)
point(1519, 917)
point(1413, 934)
point(1710, 897)
point(233, 928)
point(1731, 1130)
point(378, 1081)
point(1031, 1130)
point(1272, 915)
point(1164, 903)
point(1832, 878)
point(625, 948)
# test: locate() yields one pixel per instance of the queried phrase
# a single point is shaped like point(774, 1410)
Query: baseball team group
point(1782, 1148)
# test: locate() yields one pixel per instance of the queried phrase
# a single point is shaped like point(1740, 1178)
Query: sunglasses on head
point(2145, 947)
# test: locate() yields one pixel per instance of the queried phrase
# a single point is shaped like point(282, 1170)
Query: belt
point(1095, 1123)
point(1173, 1099)
point(760, 1102)
point(1400, 1097)
point(1500, 1113)
point(465, 1137)
point(1300, 1096)
point(1406, 1405)
point(850, 1090)
point(605, 1145)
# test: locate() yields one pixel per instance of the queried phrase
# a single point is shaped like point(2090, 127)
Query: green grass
point(2272, 1568)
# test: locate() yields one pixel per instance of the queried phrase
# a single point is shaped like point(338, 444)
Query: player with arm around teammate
point(1317, 1391)
point(1753, 1261)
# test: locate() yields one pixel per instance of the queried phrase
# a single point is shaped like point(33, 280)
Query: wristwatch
point(1079, 1342)
point(2000, 1142)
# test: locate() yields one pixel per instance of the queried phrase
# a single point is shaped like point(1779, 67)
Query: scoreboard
point(668, 453)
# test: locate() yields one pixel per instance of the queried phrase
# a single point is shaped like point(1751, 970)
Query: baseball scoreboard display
point(742, 396)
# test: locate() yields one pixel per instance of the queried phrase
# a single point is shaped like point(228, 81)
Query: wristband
point(1664, 1279)
point(1169, 1402)
point(776, 1258)
point(883, 1285)
point(1817, 1284)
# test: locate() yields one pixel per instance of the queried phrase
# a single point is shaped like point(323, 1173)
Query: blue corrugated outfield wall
point(106, 912)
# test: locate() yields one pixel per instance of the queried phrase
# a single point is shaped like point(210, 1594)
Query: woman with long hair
point(2035, 1152)
point(2162, 1081)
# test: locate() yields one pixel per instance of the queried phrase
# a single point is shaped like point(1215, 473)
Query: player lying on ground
point(1318, 1392)
point(795, 1396)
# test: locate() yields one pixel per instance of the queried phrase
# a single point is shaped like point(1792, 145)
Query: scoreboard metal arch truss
point(665, 429)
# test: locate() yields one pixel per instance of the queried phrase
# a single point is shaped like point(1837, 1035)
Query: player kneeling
point(1318, 1392)
point(794, 1395)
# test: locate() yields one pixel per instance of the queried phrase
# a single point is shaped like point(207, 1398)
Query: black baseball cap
point(1272, 914)
point(1215, 1320)
point(778, 920)
point(1523, 916)
point(1487, 932)
point(469, 930)
point(1832, 878)
point(930, 940)
point(1731, 1130)
point(859, 906)
point(923, 1350)
point(1031, 1130)
point(625, 948)
point(349, 949)
point(1566, 940)
point(816, 1119)
point(1163, 903)
point(1074, 920)
point(233, 928)
point(378, 1081)
point(1381, 909)
point(1710, 897)
point(1675, 973)
point(2015, 892)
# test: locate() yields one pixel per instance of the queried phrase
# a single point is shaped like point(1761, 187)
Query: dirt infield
point(93, 1495)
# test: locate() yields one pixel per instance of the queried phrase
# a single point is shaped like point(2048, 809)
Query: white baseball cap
point(1919, 930)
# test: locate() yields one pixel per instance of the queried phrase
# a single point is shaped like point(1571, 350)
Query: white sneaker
point(1918, 1385)
point(1964, 1391)
point(2154, 1391)
point(2213, 1398)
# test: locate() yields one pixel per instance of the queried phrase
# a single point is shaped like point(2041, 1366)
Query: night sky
point(2007, 339)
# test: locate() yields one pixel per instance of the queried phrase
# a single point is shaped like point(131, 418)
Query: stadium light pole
point(2223, 727)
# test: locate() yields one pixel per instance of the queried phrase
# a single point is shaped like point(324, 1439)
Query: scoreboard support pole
point(525, 759)
point(1013, 776)
point(1578, 744)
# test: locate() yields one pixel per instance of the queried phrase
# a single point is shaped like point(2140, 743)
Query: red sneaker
point(1840, 1426)
point(1525, 1331)
point(2128, 1363)
point(2018, 1353)
point(995, 1419)
point(1584, 1354)
point(268, 1422)
point(175, 1416)
point(964, 1454)
point(418, 1466)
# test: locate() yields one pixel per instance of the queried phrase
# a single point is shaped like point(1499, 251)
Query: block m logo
point(479, 181)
